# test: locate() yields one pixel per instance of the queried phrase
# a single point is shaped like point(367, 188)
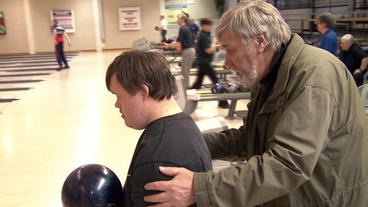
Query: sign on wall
point(130, 18)
point(172, 2)
point(2, 24)
point(174, 8)
point(172, 12)
point(65, 17)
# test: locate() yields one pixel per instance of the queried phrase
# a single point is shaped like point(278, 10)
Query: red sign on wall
point(2, 24)
point(130, 18)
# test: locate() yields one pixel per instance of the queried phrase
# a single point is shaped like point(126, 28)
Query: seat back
point(141, 44)
point(363, 90)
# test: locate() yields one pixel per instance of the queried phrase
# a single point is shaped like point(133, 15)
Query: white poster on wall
point(65, 17)
point(130, 18)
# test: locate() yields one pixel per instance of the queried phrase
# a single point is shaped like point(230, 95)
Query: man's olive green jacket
point(315, 141)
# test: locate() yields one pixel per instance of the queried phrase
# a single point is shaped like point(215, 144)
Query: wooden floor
point(66, 121)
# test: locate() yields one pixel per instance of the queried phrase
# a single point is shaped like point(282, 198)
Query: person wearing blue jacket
point(328, 39)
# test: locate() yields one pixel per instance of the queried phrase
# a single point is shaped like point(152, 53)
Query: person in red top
point(60, 34)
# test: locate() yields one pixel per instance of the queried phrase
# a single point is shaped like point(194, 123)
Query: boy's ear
point(145, 91)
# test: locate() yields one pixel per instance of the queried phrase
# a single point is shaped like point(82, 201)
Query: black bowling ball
point(92, 186)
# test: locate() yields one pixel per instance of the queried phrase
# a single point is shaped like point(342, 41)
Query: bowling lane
point(25, 74)
point(22, 73)
point(66, 121)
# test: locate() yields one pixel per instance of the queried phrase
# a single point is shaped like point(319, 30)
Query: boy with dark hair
point(144, 88)
point(205, 51)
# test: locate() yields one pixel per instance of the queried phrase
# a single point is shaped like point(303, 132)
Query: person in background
point(304, 141)
point(162, 28)
point(354, 57)
point(328, 39)
point(193, 27)
point(59, 36)
point(185, 14)
point(205, 51)
point(184, 43)
point(144, 90)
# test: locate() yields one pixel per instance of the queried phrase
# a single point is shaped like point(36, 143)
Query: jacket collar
point(292, 52)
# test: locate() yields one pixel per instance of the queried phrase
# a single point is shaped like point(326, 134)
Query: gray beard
point(250, 79)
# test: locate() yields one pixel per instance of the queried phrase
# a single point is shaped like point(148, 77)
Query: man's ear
point(145, 92)
point(261, 42)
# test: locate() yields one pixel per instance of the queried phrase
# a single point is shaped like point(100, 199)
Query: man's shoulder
point(204, 37)
point(312, 58)
point(185, 28)
point(304, 59)
point(175, 127)
point(356, 48)
point(170, 130)
point(318, 68)
point(194, 27)
point(331, 36)
point(332, 32)
point(169, 138)
point(298, 52)
point(169, 120)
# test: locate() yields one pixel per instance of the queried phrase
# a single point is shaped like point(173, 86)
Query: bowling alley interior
point(59, 117)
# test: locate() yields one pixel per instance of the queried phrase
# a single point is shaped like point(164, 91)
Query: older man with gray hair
point(354, 57)
point(304, 141)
